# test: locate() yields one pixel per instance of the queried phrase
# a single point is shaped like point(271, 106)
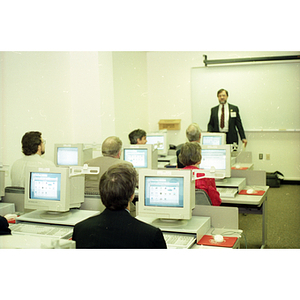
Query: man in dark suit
point(226, 118)
point(115, 228)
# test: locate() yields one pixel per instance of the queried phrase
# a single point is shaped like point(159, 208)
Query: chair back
point(201, 198)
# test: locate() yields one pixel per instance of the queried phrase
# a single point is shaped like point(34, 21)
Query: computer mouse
point(218, 238)
point(250, 191)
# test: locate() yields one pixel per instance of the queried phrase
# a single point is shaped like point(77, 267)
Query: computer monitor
point(166, 195)
point(141, 156)
point(216, 161)
point(66, 155)
point(2, 184)
point(213, 138)
point(160, 142)
point(52, 189)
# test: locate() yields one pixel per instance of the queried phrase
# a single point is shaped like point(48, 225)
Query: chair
point(201, 198)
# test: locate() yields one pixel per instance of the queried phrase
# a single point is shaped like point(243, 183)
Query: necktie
point(222, 117)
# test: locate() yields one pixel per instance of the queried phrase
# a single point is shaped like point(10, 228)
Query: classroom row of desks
point(223, 217)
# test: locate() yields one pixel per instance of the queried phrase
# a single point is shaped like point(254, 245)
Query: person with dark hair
point(137, 136)
point(115, 228)
point(190, 156)
point(33, 147)
point(111, 153)
point(226, 118)
point(193, 134)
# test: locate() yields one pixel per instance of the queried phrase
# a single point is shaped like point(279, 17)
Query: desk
point(254, 203)
point(225, 232)
point(242, 166)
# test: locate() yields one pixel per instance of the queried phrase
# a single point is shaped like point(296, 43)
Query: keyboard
point(43, 230)
point(178, 240)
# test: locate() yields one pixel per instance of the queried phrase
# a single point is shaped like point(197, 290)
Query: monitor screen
point(138, 157)
point(215, 160)
point(141, 156)
point(2, 183)
point(67, 156)
point(164, 191)
point(159, 141)
point(52, 189)
point(166, 194)
point(213, 138)
point(45, 186)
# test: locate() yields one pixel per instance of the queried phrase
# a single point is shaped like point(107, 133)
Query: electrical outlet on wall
point(267, 156)
point(260, 156)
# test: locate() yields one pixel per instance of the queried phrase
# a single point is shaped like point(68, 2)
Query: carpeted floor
point(283, 221)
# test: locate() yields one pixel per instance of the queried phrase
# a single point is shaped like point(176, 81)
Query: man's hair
point(190, 154)
point(117, 185)
point(136, 134)
point(222, 90)
point(193, 132)
point(30, 142)
point(111, 146)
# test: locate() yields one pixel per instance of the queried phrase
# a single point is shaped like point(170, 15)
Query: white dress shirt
point(18, 169)
point(226, 117)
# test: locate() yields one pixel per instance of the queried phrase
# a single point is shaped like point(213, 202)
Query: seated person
point(137, 136)
point(193, 134)
point(190, 157)
point(4, 227)
point(33, 146)
point(111, 151)
point(115, 228)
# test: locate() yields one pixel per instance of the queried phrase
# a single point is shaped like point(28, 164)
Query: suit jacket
point(117, 230)
point(235, 123)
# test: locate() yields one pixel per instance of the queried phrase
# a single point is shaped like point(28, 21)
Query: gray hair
point(193, 132)
point(111, 146)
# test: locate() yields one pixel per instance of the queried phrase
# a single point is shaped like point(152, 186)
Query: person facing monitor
point(111, 151)
point(33, 147)
point(115, 228)
point(137, 136)
point(190, 157)
point(193, 134)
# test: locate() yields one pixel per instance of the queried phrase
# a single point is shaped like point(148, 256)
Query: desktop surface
point(70, 218)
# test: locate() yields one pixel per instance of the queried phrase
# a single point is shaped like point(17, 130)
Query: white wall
point(87, 96)
point(67, 96)
point(130, 93)
point(170, 98)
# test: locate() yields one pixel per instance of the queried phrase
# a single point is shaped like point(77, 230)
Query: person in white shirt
point(33, 147)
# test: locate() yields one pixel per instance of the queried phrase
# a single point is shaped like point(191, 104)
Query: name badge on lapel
point(233, 114)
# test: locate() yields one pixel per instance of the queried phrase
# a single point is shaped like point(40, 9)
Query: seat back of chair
point(201, 198)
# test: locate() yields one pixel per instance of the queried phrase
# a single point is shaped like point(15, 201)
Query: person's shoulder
point(232, 106)
point(87, 222)
point(145, 226)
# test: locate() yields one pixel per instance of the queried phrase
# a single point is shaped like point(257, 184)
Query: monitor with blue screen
point(52, 189)
point(166, 195)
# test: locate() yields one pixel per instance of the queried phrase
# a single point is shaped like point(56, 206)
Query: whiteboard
point(267, 94)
